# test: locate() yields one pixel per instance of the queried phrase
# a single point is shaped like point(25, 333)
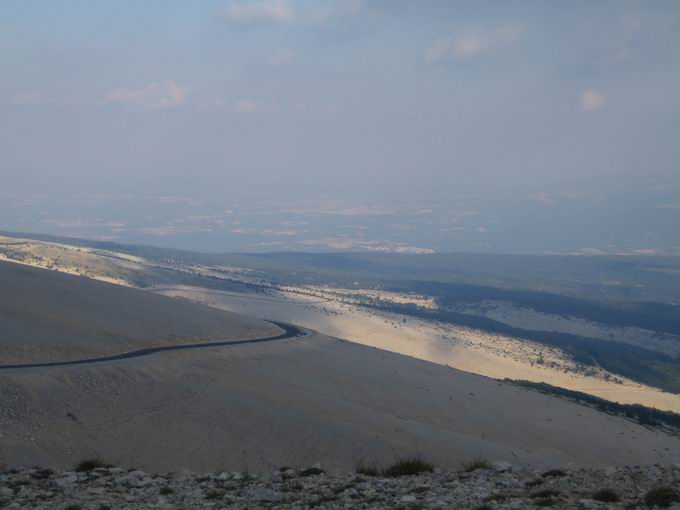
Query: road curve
point(289, 331)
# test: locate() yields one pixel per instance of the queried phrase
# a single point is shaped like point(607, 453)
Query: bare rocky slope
point(293, 402)
point(495, 486)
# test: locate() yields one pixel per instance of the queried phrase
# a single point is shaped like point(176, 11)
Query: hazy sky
point(194, 97)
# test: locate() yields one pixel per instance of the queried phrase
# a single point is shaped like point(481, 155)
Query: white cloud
point(591, 100)
point(471, 44)
point(154, 96)
point(28, 98)
point(258, 10)
point(244, 106)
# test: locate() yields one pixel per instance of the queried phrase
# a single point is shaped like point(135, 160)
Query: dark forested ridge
point(644, 415)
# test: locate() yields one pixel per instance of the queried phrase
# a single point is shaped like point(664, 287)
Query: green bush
point(366, 470)
point(606, 496)
point(408, 467)
point(42, 474)
point(90, 464)
point(554, 473)
point(546, 493)
point(476, 464)
point(215, 494)
point(662, 497)
point(312, 471)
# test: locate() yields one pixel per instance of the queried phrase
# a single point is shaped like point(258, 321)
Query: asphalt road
point(289, 331)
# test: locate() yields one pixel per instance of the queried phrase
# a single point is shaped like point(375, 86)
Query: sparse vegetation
point(476, 464)
point(625, 487)
point(497, 498)
point(367, 470)
point(408, 467)
point(554, 473)
point(534, 483)
point(312, 471)
point(546, 493)
point(42, 474)
point(90, 464)
point(544, 502)
point(215, 494)
point(606, 496)
point(663, 497)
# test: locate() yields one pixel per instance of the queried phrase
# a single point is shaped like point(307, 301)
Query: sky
point(371, 97)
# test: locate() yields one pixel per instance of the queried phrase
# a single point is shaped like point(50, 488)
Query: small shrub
point(534, 483)
point(662, 496)
point(312, 471)
point(497, 498)
point(554, 473)
point(543, 502)
point(90, 464)
point(606, 496)
point(546, 493)
point(166, 491)
point(476, 464)
point(42, 474)
point(363, 469)
point(214, 494)
point(408, 467)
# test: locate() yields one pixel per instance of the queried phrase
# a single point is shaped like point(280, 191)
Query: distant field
point(610, 278)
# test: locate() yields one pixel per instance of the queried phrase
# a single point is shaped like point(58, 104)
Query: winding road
point(289, 331)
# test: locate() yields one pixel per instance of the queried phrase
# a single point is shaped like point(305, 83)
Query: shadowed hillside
point(50, 316)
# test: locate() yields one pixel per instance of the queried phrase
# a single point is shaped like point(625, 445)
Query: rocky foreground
point(480, 486)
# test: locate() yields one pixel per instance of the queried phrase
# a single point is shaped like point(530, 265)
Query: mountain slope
point(50, 316)
point(293, 402)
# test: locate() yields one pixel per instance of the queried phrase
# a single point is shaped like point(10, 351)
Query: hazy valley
point(339, 255)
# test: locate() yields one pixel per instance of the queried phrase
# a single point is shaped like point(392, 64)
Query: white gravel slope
point(298, 402)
